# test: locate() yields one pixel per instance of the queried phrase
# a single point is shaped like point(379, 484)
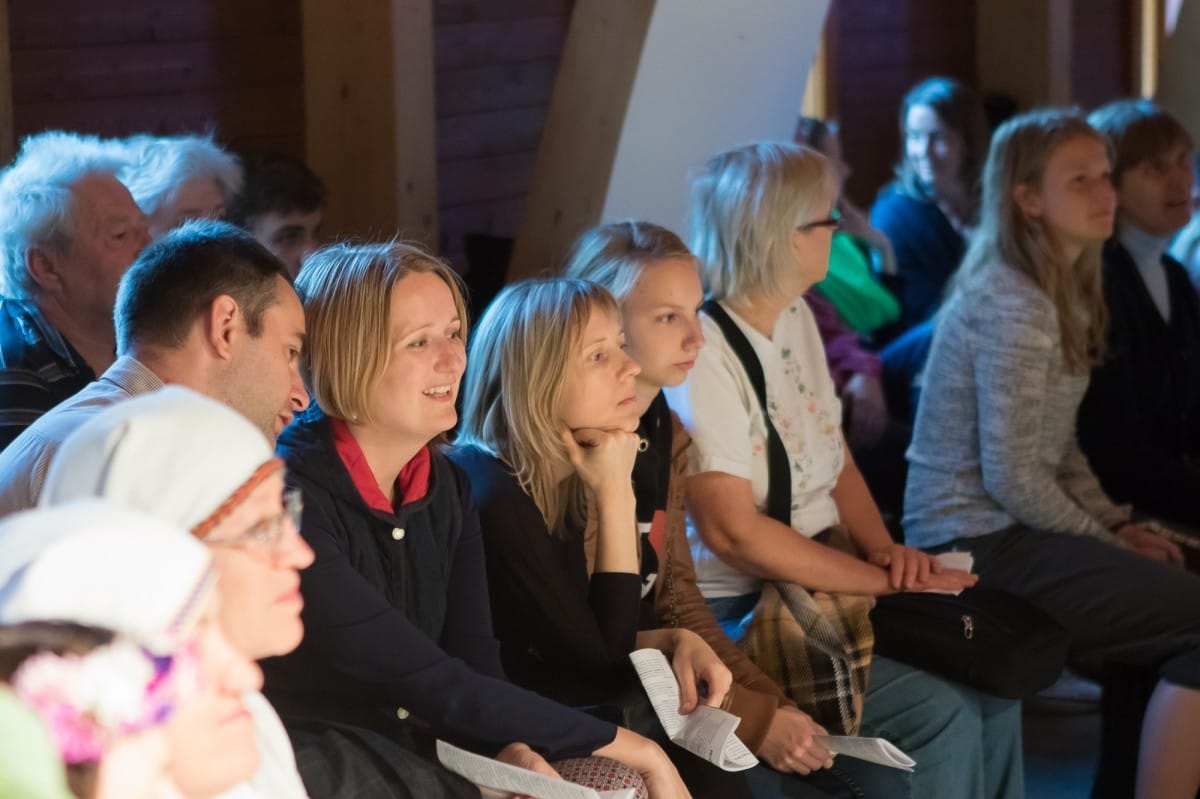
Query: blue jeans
point(849, 778)
point(967, 744)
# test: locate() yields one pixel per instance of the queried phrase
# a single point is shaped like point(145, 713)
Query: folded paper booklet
point(954, 560)
point(488, 773)
point(875, 750)
point(706, 732)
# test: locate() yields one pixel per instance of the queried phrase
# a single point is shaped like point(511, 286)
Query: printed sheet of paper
point(488, 773)
point(706, 732)
point(954, 560)
point(875, 750)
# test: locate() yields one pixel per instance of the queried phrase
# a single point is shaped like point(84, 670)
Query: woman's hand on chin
point(603, 459)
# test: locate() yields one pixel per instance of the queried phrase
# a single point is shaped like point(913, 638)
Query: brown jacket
point(754, 697)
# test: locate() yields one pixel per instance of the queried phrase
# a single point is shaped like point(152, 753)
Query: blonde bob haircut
point(746, 203)
point(513, 387)
point(615, 254)
point(1007, 236)
point(346, 290)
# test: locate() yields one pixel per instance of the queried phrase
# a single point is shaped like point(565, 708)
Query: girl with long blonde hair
point(995, 467)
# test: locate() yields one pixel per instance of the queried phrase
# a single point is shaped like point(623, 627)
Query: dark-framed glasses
point(269, 534)
point(833, 222)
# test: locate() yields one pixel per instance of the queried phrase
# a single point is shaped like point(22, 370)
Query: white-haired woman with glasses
point(761, 228)
point(177, 178)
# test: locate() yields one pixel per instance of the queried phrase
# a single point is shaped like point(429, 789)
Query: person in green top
point(860, 254)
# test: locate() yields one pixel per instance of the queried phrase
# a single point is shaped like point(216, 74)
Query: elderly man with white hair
point(68, 230)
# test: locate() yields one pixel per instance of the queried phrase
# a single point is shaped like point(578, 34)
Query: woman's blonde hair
point(1020, 150)
point(346, 290)
point(614, 255)
point(514, 384)
point(745, 206)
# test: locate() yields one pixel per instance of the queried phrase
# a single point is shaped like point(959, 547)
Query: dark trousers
point(1127, 616)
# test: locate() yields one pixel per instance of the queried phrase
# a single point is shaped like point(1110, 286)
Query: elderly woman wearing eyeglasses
point(188, 459)
point(761, 229)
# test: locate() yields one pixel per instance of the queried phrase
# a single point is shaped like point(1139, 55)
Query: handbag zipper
point(920, 607)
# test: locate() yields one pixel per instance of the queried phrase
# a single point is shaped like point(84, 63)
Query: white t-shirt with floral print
point(720, 410)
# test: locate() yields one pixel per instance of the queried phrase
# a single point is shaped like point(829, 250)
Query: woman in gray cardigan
point(995, 466)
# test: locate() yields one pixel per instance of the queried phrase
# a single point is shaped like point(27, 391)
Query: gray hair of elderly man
point(37, 206)
point(158, 165)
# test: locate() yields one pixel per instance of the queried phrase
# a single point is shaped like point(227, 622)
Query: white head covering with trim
point(172, 453)
point(95, 563)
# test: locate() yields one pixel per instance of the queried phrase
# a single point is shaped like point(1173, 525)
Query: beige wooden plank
point(591, 95)
point(369, 115)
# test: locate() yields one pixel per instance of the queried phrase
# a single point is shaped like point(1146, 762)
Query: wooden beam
point(7, 141)
point(369, 115)
point(1176, 87)
point(587, 114)
point(817, 97)
point(1023, 50)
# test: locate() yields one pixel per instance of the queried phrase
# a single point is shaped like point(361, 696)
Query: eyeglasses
point(270, 533)
point(833, 222)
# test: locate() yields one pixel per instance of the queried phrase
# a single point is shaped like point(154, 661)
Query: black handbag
point(985, 638)
point(988, 639)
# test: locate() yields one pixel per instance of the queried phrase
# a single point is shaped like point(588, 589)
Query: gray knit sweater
point(994, 443)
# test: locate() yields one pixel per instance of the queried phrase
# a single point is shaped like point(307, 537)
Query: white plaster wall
point(714, 74)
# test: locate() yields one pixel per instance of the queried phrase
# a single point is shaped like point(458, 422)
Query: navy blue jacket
point(397, 628)
point(1139, 423)
point(928, 250)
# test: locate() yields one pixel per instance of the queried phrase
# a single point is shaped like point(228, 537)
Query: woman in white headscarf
point(87, 562)
point(190, 460)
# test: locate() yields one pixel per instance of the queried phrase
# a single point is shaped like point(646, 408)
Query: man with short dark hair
point(68, 230)
point(281, 203)
point(206, 307)
point(1139, 423)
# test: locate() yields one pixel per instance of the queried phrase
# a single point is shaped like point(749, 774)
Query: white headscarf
point(172, 453)
point(94, 563)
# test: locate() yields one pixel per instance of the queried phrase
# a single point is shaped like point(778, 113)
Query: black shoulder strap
point(779, 470)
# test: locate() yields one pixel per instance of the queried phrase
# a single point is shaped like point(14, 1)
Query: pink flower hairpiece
point(87, 701)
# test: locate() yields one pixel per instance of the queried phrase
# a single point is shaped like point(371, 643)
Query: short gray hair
point(745, 203)
point(158, 165)
point(37, 206)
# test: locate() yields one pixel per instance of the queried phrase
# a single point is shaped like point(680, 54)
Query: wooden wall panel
point(880, 48)
point(1102, 49)
point(125, 66)
point(496, 64)
point(7, 142)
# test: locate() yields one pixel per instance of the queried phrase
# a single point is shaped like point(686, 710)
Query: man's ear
point(1028, 200)
point(222, 323)
point(43, 270)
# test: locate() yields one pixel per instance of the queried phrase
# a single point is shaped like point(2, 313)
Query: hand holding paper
point(963, 561)
point(706, 732)
point(874, 750)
